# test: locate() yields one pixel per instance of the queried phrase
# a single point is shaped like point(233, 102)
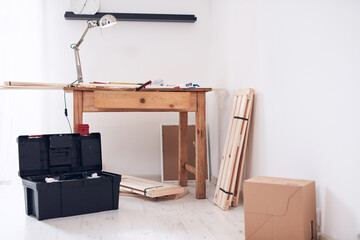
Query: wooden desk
point(182, 100)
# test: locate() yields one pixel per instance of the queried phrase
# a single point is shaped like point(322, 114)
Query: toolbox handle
point(35, 136)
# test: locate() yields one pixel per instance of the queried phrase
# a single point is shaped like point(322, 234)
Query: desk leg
point(78, 109)
point(200, 138)
point(183, 148)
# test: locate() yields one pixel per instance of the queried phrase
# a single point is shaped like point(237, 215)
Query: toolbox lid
point(59, 153)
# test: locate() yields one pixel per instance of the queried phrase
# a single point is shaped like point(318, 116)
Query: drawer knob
point(142, 100)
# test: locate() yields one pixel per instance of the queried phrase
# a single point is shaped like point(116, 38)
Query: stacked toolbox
point(72, 160)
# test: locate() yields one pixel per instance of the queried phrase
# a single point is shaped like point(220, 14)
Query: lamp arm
point(91, 24)
point(78, 65)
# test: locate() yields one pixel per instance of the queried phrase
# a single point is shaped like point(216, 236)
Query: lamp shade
point(107, 21)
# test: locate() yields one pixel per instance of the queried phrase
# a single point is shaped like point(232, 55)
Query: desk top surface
point(142, 90)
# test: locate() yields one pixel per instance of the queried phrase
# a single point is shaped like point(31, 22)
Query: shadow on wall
point(224, 108)
point(333, 227)
point(255, 141)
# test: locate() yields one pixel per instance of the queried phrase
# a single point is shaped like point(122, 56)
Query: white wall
point(302, 58)
point(21, 59)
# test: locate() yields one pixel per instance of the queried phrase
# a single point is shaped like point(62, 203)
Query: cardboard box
point(279, 209)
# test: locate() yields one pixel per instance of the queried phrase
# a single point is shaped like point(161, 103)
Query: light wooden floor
point(137, 218)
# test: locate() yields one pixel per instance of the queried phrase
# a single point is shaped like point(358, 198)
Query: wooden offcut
point(148, 188)
point(232, 161)
point(173, 196)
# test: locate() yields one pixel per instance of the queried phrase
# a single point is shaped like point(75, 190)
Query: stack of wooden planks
point(232, 161)
point(151, 189)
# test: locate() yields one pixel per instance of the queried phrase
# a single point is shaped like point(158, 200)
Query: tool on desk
point(98, 83)
point(143, 86)
point(187, 85)
point(158, 82)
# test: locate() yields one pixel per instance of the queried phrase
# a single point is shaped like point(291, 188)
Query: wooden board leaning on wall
point(232, 161)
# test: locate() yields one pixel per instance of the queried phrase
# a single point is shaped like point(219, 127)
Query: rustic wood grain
point(183, 148)
point(200, 139)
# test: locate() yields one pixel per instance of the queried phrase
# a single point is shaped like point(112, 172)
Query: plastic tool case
point(70, 159)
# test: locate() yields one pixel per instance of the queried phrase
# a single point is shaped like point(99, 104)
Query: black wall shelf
point(147, 17)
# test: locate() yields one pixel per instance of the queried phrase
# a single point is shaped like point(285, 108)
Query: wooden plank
point(230, 173)
point(156, 192)
point(235, 163)
point(124, 192)
point(190, 168)
point(131, 193)
point(200, 139)
point(164, 191)
point(140, 183)
point(232, 156)
point(29, 88)
point(142, 100)
point(238, 154)
point(65, 85)
point(149, 188)
point(245, 92)
point(176, 196)
point(78, 109)
point(237, 174)
point(235, 200)
point(227, 151)
point(183, 148)
point(35, 84)
point(223, 162)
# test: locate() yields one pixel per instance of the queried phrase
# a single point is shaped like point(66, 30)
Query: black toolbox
point(73, 161)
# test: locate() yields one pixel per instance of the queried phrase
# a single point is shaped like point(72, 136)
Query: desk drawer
point(143, 100)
